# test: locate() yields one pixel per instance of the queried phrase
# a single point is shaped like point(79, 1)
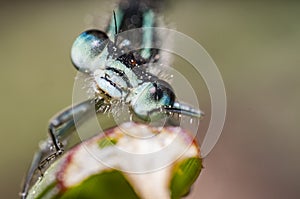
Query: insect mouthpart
point(184, 109)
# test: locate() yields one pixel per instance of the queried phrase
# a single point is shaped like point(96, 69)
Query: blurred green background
point(255, 44)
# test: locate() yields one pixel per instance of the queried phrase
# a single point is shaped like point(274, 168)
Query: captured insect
point(118, 70)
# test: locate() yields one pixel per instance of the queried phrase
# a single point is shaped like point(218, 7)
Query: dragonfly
point(117, 72)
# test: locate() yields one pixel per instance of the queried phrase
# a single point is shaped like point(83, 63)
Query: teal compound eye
point(151, 97)
point(87, 50)
point(155, 99)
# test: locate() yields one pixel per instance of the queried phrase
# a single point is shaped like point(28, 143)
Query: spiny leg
point(60, 128)
point(30, 173)
point(63, 124)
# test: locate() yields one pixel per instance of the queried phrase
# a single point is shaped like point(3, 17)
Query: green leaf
point(110, 185)
point(106, 142)
point(185, 174)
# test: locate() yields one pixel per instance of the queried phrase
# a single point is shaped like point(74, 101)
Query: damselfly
point(117, 72)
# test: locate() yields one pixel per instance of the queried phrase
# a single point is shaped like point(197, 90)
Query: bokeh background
point(255, 44)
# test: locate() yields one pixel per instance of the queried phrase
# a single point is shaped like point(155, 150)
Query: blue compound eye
point(87, 50)
point(152, 97)
point(162, 92)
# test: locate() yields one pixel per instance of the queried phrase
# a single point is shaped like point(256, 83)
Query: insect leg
point(30, 173)
point(62, 125)
point(60, 128)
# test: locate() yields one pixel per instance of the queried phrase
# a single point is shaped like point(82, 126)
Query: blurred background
point(255, 44)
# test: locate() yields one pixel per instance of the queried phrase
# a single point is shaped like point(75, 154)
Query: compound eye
point(87, 48)
point(162, 93)
point(150, 98)
point(157, 92)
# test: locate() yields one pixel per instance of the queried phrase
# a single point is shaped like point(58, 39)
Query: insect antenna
point(116, 27)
